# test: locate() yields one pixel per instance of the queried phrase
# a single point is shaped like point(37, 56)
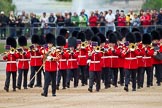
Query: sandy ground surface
point(80, 97)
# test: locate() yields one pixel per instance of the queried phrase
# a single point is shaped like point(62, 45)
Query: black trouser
point(115, 75)
point(158, 68)
point(106, 76)
point(62, 73)
point(152, 75)
point(25, 74)
point(74, 73)
point(34, 69)
point(121, 75)
point(131, 72)
point(97, 76)
point(139, 76)
point(50, 77)
point(7, 82)
point(148, 72)
point(83, 74)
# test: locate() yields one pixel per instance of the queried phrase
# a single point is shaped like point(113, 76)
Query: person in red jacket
point(23, 62)
point(139, 58)
point(11, 67)
point(130, 61)
point(95, 67)
point(82, 57)
point(72, 62)
point(113, 57)
point(50, 58)
point(63, 57)
point(35, 61)
point(121, 19)
point(156, 63)
point(93, 20)
point(147, 52)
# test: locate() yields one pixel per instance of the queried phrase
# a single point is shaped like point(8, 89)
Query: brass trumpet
point(132, 47)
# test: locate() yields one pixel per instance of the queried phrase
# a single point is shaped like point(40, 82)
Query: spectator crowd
point(18, 25)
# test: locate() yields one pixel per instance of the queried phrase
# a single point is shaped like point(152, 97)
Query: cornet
point(132, 47)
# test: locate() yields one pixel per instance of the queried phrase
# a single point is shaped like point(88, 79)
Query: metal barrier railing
point(28, 31)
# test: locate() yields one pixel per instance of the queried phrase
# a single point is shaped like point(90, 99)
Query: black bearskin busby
point(72, 42)
point(119, 36)
point(108, 32)
point(146, 39)
point(11, 41)
point(159, 30)
point(130, 37)
point(124, 31)
point(155, 35)
point(95, 30)
point(112, 38)
point(96, 39)
point(63, 32)
point(135, 29)
point(50, 38)
point(81, 36)
point(102, 37)
point(75, 34)
point(89, 34)
point(61, 41)
point(138, 36)
point(22, 41)
point(35, 39)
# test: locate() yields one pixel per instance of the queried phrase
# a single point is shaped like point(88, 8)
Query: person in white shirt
point(110, 18)
point(43, 20)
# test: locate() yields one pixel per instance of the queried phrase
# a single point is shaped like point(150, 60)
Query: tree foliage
point(152, 4)
point(65, 0)
point(7, 6)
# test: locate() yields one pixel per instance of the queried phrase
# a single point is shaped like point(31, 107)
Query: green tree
point(152, 4)
point(7, 6)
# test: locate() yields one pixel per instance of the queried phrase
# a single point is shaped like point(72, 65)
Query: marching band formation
point(87, 56)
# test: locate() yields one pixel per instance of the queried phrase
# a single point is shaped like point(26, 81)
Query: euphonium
point(132, 47)
point(12, 50)
point(97, 49)
point(83, 45)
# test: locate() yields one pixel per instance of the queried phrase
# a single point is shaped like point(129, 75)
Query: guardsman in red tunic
point(62, 63)
point(147, 52)
point(23, 62)
point(156, 62)
point(72, 62)
point(121, 46)
point(95, 66)
point(35, 61)
point(139, 58)
point(11, 67)
point(113, 58)
point(130, 62)
point(50, 59)
point(82, 57)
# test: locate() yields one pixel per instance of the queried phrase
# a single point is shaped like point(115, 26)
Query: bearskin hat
point(107, 33)
point(22, 41)
point(11, 41)
point(119, 37)
point(50, 38)
point(72, 42)
point(146, 39)
point(130, 37)
point(61, 41)
point(138, 36)
point(112, 38)
point(124, 31)
point(81, 36)
point(35, 39)
point(42, 40)
point(95, 30)
point(155, 35)
point(102, 37)
point(63, 32)
point(74, 34)
point(159, 30)
point(96, 39)
point(135, 29)
point(89, 34)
